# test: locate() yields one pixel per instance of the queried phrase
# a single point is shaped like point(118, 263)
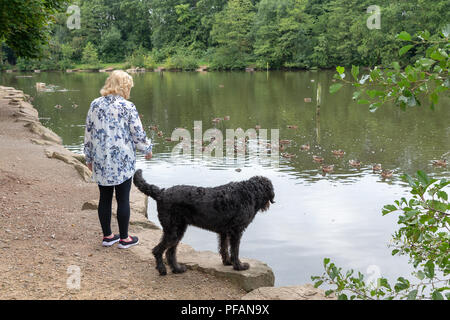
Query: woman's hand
point(149, 155)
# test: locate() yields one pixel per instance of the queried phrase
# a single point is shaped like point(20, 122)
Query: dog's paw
point(162, 270)
point(227, 262)
point(180, 269)
point(241, 266)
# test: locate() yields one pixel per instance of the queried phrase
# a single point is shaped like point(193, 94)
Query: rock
point(45, 133)
point(84, 171)
point(80, 157)
point(90, 205)
point(259, 274)
point(42, 143)
point(304, 292)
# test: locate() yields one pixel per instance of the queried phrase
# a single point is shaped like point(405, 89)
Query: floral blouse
point(113, 132)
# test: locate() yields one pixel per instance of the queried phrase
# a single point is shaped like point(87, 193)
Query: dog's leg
point(158, 252)
point(235, 240)
point(171, 252)
point(224, 243)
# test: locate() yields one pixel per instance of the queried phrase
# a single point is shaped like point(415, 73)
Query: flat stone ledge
point(259, 274)
point(303, 292)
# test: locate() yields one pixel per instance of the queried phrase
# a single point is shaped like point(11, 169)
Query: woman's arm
point(138, 134)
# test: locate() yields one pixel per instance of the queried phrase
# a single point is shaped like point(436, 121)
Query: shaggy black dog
point(226, 210)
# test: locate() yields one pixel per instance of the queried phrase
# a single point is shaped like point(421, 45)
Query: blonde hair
point(119, 82)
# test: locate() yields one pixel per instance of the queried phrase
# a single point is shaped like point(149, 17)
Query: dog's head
point(264, 192)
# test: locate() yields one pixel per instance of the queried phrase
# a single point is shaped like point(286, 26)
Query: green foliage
point(426, 78)
point(181, 61)
point(424, 236)
point(229, 34)
point(141, 58)
point(90, 55)
point(25, 24)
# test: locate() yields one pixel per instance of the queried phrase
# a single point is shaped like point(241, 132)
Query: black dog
point(226, 210)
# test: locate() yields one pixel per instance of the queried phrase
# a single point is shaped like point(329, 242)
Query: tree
point(90, 55)
point(231, 33)
point(279, 32)
point(25, 24)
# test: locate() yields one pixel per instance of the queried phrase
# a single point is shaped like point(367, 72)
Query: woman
point(113, 132)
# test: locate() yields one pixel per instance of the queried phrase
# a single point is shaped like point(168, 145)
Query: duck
point(440, 163)
point(226, 118)
point(216, 120)
point(160, 134)
point(318, 159)
point(292, 127)
point(285, 141)
point(355, 163)
point(154, 128)
point(328, 169)
point(74, 106)
point(387, 173)
point(58, 106)
point(338, 153)
point(305, 147)
point(376, 167)
point(257, 127)
point(288, 155)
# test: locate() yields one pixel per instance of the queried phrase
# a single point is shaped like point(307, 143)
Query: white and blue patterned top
point(113, 132)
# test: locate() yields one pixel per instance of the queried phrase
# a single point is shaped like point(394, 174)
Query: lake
point(337, 215)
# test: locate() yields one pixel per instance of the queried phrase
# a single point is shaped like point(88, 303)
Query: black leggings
point(123, 207)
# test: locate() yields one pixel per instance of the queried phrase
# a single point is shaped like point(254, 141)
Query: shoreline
point(40, 174)
point(45, 231)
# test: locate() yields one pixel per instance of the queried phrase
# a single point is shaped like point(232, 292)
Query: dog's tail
point(148, 189)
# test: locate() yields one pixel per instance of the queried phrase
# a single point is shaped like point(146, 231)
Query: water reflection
point(336, 215)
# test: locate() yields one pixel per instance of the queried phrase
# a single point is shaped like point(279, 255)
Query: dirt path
point(43, 232)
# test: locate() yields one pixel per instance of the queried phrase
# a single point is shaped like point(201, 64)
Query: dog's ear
point(265, 189)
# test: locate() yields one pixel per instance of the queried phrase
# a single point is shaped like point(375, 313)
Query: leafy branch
point(424, 236)
point(405, 87)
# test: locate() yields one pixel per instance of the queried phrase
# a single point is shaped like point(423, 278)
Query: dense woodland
point(233, 34)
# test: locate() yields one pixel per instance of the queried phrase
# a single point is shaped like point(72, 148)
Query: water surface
point(336, 215)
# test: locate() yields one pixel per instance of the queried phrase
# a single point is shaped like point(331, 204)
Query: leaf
point(423, 178)
point(425, 62)
point(402, 284)
point(405, 49)
point(412, 295)
point(326, 261)
point(420, 275)
point(355, 72)
point(363, 101)
point(318, 283)
point(437, 295)
point(429, 269)
point(335, 87)
point(342, 297)
point(405, 36)
point(340, 70)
